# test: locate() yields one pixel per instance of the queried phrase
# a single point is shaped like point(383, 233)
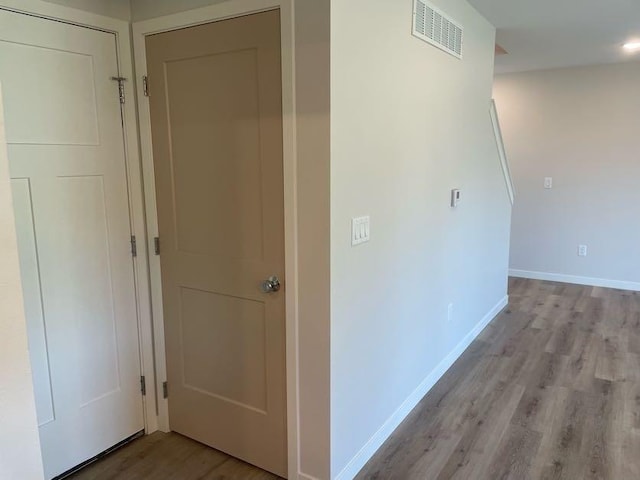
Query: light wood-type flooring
point(550, 390)
point(169, 456)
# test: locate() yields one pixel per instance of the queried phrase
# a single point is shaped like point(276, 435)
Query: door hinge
point(143, 385)
point(156, 245)
point(165, 390)
point(120, 81)
point(134, 246)
point(145, 85)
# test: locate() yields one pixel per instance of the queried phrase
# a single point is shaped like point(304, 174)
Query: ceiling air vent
point(435, 27)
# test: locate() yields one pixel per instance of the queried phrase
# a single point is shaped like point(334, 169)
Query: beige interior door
point(69, 182)
point(216, 110)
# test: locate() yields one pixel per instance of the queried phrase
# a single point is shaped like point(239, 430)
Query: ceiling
point(542, 34)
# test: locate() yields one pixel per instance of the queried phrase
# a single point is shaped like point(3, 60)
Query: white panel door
point(66, 155)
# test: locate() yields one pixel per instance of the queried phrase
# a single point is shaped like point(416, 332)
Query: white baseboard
point(304, 476)
point(592, 282)
point(376, 441)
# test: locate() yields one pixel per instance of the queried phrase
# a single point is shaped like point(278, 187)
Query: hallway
point(551, 389)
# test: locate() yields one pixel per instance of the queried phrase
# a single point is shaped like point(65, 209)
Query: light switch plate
point(360, 230)
point(548, 183)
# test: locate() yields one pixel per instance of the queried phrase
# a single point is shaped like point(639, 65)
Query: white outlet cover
point(360, 230)
point(548, 182)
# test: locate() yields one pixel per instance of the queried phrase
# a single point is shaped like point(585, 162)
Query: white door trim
point(134, 172)
point(230, 9)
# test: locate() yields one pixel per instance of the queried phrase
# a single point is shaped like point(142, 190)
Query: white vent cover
point(435, 27)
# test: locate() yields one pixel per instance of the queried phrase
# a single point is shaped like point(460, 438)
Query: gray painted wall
point(408, 124)
point(581, 127)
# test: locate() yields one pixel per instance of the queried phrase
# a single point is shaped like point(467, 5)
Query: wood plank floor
point(169, 456)
point(550, 390)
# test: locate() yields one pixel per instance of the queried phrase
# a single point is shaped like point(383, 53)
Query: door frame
point(120, 28)
point(227, 10)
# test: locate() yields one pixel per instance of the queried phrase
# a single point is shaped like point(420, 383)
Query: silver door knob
point(271, 285)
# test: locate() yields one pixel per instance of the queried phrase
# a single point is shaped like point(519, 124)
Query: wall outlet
point(450, 312)
point(582, 250)
point(548, 182)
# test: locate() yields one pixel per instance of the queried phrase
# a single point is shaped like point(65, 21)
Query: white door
point(66, 155)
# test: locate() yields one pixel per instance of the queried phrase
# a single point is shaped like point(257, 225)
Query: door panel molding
point(216, 109)
point(31, 275)
point(121, 31)
point(227, 10)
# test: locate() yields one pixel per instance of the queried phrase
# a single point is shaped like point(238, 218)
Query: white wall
point(581, 127)
point(408, 123)
point(146, 9)
point(19, 441)
point(110, 8)
point(312, 108)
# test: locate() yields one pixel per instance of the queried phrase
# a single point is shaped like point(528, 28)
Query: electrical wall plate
point(360, 230)
point(456, 197)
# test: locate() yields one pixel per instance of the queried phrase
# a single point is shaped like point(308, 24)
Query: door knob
point(271, 285)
